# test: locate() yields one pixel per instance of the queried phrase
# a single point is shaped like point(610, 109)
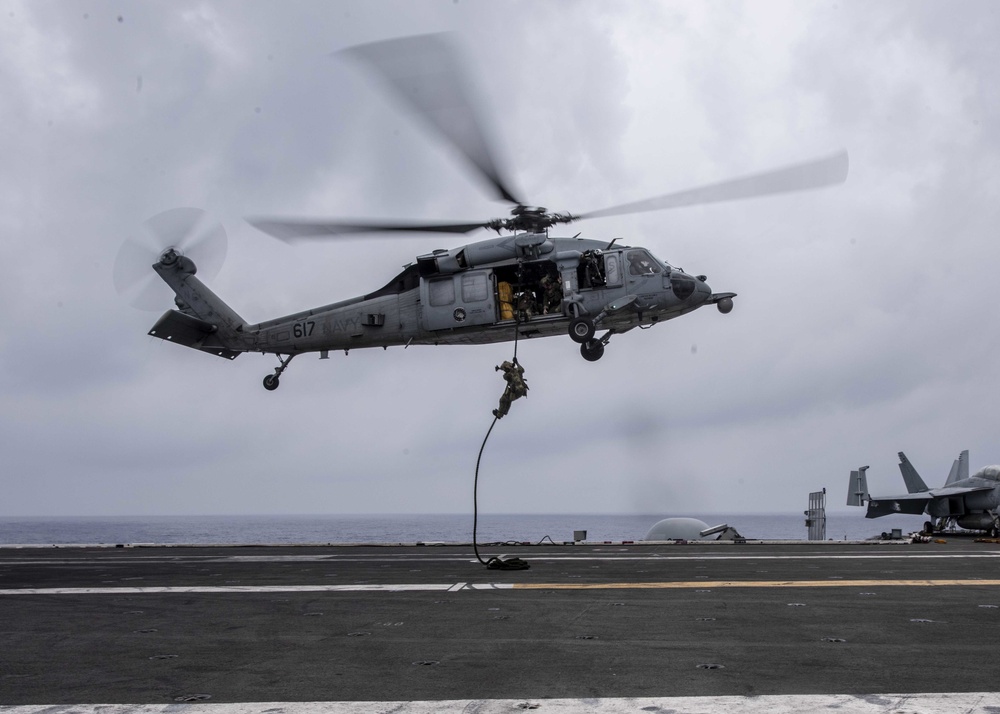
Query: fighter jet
point(966, 502)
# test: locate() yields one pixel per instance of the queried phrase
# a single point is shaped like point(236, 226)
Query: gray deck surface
point(585, 621)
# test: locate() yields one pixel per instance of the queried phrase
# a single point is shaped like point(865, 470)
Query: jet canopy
point(990, 473)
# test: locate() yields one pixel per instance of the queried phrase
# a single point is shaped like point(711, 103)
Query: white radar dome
point(690, 529)
point(677, 529)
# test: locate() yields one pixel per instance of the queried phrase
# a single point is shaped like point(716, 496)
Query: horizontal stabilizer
point(189, 331)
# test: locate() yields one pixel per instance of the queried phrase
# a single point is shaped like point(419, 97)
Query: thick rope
point(475, 497)
point(493, 563)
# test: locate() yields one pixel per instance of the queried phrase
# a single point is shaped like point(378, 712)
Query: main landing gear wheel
point(271, 380)
point(581, 330)
point(592, 350)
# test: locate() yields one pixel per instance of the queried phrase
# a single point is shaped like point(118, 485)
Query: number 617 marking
point(303, 329)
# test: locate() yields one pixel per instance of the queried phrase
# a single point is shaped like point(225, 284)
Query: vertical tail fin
point(959, 469)
point(178, 272)
point(914, 484)
point(203, 321)
point(857, 494)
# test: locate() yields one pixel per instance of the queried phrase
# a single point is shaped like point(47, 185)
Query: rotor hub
point(529, 219)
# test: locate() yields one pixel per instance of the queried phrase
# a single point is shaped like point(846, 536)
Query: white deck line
point(541, 556)
point(157, 590)
point(947, 703)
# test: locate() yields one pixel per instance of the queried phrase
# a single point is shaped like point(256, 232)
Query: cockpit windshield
point(640, 262)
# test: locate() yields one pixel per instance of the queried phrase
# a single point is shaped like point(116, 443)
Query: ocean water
point(395, 528)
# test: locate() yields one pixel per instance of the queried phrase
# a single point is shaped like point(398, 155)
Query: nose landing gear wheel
point(270, 382)
point(581, 330)
point(592, 350)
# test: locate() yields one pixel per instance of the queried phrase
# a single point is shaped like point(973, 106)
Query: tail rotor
point(188, 231)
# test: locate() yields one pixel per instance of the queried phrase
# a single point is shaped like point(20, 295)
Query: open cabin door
point(459, 300)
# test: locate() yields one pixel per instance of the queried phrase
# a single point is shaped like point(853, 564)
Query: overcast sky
point(866, 321)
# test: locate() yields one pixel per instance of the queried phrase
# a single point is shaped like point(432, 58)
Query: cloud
point(865, 321)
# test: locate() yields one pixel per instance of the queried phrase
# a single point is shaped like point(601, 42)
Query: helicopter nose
point(701, 290)
point(689, 288)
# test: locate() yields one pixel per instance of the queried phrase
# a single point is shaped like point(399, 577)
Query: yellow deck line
point(713, 584)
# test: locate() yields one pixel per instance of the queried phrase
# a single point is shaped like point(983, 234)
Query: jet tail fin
point(959, 469)
point(914, 484)
point(857, 494)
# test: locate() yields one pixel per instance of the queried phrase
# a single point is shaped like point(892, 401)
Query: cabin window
point(442, 292)
point(611, 269)
point(475, 287)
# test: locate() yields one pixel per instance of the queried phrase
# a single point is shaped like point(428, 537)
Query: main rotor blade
point(424, 71)
point(290, 230)
point(799, 177)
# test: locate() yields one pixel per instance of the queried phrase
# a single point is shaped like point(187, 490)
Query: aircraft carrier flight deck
point(649, 624)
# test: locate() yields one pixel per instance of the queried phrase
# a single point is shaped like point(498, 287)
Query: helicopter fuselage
point(461, 297)
point(528, 284)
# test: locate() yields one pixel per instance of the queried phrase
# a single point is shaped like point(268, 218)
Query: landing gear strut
point(271, 381)
point(582, 329)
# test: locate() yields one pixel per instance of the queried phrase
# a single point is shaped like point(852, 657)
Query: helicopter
point(522, 284)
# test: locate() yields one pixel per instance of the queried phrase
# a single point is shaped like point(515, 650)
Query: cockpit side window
point(642, 263)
